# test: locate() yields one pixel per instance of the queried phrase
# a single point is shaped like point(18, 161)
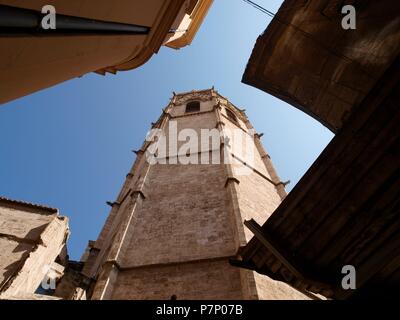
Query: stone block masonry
point(173, 227)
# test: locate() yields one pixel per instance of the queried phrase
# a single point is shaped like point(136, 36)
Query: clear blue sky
point(70, 146)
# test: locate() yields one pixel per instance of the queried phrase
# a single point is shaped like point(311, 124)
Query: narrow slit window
point(193, 106)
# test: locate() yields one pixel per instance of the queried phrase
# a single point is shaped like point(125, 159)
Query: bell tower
point(179, 216)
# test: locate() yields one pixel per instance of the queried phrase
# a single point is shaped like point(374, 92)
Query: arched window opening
point(193, 106)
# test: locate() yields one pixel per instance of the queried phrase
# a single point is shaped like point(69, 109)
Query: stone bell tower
point(179, 215)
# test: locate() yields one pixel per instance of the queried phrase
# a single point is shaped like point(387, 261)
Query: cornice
point(198, 15)
point(194, 95)
point(155, 39)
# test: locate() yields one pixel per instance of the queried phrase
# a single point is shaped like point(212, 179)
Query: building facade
point(344, 210)
point(179, 216)
point(89, 36)
point(32, 249)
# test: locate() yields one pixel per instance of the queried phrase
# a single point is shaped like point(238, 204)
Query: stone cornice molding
point(192, 96)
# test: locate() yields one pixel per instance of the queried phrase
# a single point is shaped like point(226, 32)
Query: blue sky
point(70, 146)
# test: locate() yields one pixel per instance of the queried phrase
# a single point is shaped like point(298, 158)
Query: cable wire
point(258, 7)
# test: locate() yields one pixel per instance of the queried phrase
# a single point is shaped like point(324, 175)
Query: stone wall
point(174, 226)
point(209, 279)
point(31, 238)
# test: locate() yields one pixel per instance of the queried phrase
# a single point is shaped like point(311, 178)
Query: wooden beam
point(258, 232)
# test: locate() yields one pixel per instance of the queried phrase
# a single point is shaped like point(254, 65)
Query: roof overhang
point(308, 60)
point(344, 211)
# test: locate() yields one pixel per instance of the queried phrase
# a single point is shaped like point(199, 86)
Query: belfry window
point(231, 115)
point(193, 106)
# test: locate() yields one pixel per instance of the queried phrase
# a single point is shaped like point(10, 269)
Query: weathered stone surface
point(306, 58)
point(174, 227)
point(31, 238)
point(214, 279)
point(70, 286)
